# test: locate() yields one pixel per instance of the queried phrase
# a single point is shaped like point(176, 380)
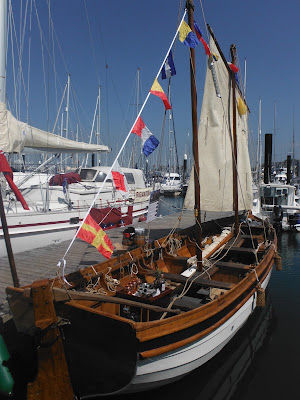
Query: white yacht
point(277, 202)
point(56, 211)
point(171, 185)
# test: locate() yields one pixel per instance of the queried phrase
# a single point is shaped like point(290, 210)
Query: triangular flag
point(149, 141)
point(157, 90)
point(200, 37)
point(91, 233)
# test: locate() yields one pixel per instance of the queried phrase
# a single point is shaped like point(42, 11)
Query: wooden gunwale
point(153, 329)
point(173, 346)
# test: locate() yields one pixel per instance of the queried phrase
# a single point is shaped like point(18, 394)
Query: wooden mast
point(234, 136)
point(8, 244)
point(190, 8)
point(234, 164)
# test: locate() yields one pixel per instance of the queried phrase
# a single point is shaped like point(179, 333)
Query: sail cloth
point(215, 146)
point(15, 135)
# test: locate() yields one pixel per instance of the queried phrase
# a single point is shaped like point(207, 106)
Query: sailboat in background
point(56, 210)
point(158, 312)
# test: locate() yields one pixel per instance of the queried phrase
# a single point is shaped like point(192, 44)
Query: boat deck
point(42, 263)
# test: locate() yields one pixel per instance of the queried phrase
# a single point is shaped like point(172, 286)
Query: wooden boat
point(108, 329)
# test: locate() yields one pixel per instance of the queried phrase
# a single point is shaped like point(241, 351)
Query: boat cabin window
point(274, 196)
point(87, 174)
point(177, 178)
point(130, 178)
point(101, 176)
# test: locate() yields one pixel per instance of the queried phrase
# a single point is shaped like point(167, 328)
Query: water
point(169, 205)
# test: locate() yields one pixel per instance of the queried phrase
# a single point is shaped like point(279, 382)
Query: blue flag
point(169, 68)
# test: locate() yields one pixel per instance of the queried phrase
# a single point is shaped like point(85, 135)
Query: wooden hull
point(108, 351)
point(174, 365)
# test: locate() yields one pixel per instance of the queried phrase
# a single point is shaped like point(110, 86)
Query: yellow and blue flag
point(187, 36)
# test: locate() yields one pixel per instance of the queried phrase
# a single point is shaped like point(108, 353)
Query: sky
point(102, 43)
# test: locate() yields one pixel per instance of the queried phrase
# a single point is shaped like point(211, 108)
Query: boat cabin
point(135, 178)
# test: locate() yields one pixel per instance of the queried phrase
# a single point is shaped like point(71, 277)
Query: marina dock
point(42, 263)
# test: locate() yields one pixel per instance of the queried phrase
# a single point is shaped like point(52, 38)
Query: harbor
point(146, 253)
point(235, 373)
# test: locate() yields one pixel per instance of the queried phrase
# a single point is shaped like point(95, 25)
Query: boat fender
point(261, 297)
point(278, 263)
point(6, 379)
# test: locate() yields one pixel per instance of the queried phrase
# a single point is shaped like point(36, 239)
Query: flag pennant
point(91, 233)
point(119, 179)
point(157, 90)
point(241, 106)
point(233, 67)
point(187, 36)
point(8, 174)
point(149, 141)
point(200, 38)
point(168, 69)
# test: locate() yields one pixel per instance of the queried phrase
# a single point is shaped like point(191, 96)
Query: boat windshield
point(274, 196)
point(101, 176)
point(129, 177)
point(87, 174)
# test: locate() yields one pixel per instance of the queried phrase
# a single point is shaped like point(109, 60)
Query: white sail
point(15, 135)
point(215, 142)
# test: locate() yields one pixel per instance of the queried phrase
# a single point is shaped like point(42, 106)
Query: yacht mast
point(3, 46)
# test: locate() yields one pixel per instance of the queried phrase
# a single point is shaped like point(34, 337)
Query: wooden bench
point(199, 281)
point(233, 265)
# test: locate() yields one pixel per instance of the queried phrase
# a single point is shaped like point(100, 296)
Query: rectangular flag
point(168, 69)
point(157, 90)
point(91, 233)
point(187, 36)
point(200, 38)
point(149, 141)
point(119, 179)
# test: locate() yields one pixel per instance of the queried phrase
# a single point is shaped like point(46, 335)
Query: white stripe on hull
point(163, 369)
point(34, 230)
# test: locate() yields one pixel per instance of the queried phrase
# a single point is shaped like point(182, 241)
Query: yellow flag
point(242, 108)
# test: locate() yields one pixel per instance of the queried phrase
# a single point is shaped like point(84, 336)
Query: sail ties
point(211, 66)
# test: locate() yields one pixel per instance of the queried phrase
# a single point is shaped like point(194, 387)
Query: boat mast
point(235, 183)
point(293, 162)
point(3, 42)
point(190, 8)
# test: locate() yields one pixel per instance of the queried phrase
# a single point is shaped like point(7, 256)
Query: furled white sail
point(15, 135)
point(215, 144)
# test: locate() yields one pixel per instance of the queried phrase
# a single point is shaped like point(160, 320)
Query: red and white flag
point(120, 180)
